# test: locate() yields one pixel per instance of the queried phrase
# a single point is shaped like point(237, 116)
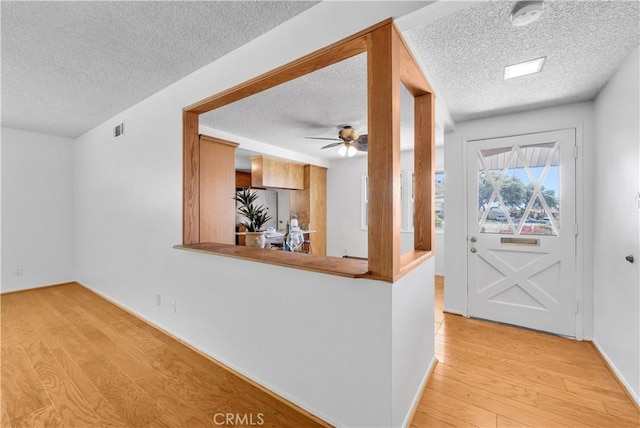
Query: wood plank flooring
point(72, 359)
point(491, 375)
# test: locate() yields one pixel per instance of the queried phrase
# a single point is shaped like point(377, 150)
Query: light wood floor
point(70, 358)
point(491, 375)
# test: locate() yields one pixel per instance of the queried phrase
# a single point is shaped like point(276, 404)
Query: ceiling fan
point(349, 140)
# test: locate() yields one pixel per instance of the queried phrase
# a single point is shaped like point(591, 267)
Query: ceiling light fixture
point(347, 150)
point(526, 12)
point(524, 68)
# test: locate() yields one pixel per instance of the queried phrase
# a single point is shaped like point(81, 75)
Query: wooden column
point(414, 80)
point(191, 179)
point(384, 153)
point(424, 169)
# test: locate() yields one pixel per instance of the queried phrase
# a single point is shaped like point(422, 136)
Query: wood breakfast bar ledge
point(350, 268)
point(346, 267)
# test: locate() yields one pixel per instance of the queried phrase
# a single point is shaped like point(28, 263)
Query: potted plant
point(256, 216)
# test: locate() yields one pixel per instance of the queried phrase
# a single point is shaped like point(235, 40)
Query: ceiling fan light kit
point(347, 133)
point(349, 141)
point(347, 150)
point(526, 12)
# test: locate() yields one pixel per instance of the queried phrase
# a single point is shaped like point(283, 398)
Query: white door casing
point(522, 230)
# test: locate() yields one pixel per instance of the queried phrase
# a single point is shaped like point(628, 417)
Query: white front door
point(522, 230)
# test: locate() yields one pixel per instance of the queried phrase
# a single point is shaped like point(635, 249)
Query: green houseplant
point(256, 216)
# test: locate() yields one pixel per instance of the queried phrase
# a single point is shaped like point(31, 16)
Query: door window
point(518, 190)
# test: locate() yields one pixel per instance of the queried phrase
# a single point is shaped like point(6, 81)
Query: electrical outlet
point(173, 305)
point(18, 271)
point(158, 300)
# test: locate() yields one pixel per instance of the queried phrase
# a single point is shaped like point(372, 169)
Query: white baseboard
point(318, 416)
point(453, 311)
point(3, 290)
point(617, 374)
point(418, 397)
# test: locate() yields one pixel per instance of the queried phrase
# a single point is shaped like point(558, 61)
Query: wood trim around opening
point(336, 52)
point(390, 64)
point(383, 159)
point(191, 179)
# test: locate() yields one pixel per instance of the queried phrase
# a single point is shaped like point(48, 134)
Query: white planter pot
point(254, 239)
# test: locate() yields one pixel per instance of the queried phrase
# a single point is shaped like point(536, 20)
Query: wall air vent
point(118, 130)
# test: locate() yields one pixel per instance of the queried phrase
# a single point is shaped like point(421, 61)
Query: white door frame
point(580, 216)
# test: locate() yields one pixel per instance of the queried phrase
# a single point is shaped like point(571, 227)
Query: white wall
point(38, 232)
point(413, 300)
point(412, 339)
point(579, 116)
point(322, 341)
point(344, 194)
point(616, 232)
point(344, 197)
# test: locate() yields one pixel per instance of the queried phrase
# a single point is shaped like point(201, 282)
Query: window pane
point(518, 190)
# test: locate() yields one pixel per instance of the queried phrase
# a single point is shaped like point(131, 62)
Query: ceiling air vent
point(118, 130)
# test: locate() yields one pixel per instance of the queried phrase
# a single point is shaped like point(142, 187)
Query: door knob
point(629, 258)
point(473, 239)
point(473, 249)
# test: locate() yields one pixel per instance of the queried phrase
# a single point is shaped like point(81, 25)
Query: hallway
point(492, 375)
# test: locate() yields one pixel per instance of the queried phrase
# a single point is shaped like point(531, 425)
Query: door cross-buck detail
point(520, 268)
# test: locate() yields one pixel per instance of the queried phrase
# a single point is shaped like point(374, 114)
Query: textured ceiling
point(315, 105)
point(68, 66)
point(465, 52)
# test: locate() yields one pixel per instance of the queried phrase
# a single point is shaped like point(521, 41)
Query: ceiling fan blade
point(360, 147)
point(322, 138)
point(362, 143)
point(332, 145)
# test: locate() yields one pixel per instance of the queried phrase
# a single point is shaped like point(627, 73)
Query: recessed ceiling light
point(524, 68)
point(526, 12)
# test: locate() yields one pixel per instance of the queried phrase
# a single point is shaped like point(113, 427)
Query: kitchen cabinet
point(310, 204)
point(216, 188)
point(276, 173)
